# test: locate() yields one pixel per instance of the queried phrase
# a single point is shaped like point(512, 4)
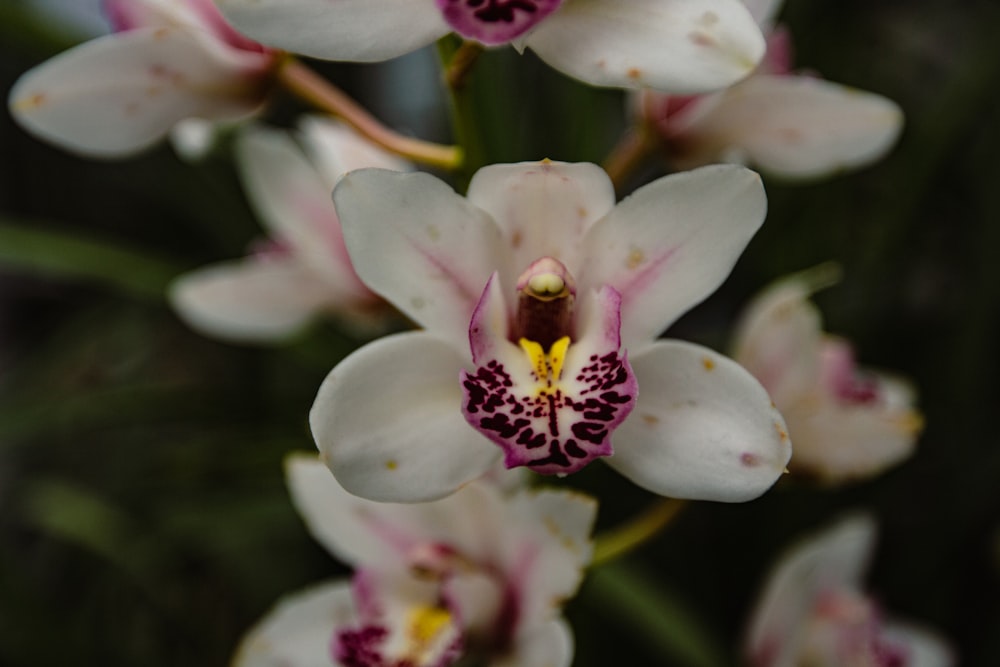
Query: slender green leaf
point(29, 247)
point(627, 594)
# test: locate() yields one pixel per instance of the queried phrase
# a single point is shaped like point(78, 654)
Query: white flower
point(547, 365)
point(674, 45)
point(169, 60)
point(814, 611)
point(790, 125)
point(846, 422)
point(481, 573)
point(303, 269)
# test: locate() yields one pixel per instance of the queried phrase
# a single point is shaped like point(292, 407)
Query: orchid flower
point(814, 611)
point(674, 45)
point(303, 269)
point(541, 302)
point(790, 125)
point(167, 61)
point(478, 574)
point(846, 422)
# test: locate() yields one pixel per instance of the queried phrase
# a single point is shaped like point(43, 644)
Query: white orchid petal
point(294, 201)
point(119, 94)
point(549, 645)
point(421, 246)
point(298, 631)
point(336, 149)
point(670, 45)
point(543, 208)
point(837, 441)
point(248, 300)
point(356, 30)
point(672, 243)
point(778, 340)
point(388, 421)
point(703, 428)
point(556, 528)
point(834, 560)
point(796, 126)
point(421, 536)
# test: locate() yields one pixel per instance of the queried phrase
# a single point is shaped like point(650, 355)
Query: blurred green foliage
point(143, 515)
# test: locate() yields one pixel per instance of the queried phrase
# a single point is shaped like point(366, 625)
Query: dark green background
point(143, 515)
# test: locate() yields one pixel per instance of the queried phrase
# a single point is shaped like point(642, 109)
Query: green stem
point(457, 62)
point(619, 541)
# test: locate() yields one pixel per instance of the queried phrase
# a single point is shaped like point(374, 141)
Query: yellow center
point(547, 366)
point(424, 626)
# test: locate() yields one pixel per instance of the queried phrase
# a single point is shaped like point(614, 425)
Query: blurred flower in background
point(792, 125)
point(846, 422)
point(166, 62)
point(480, 574)
point(814, 610)
point(303, 268)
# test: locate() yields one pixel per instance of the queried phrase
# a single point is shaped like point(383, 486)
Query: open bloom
point(791, 125)
point(675, 45)
point(303, 269)
point(846, 422)
point(167, 61)
point(541, 302)
point(479, 574)
point(814, 611)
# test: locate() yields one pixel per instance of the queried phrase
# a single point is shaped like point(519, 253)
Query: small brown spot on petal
point(635, 258)
point(30, 102)
point(391, 464)
point(708, 363)
point(652, 420)
point(516, 238)
point(581, 211)
point(634, 73)
point(701, 39)
point(749, 459)
point(782, 433)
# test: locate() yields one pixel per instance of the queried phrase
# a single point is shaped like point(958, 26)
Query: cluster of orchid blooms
point(539, 302)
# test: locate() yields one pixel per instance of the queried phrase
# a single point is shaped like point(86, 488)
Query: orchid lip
point(552, 398)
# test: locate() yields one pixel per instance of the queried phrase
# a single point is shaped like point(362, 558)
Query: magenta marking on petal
point(482, 337)
point(360, 647)
point(213, 21)
point(495, 21)
point(551, 432)
point(121, 15)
